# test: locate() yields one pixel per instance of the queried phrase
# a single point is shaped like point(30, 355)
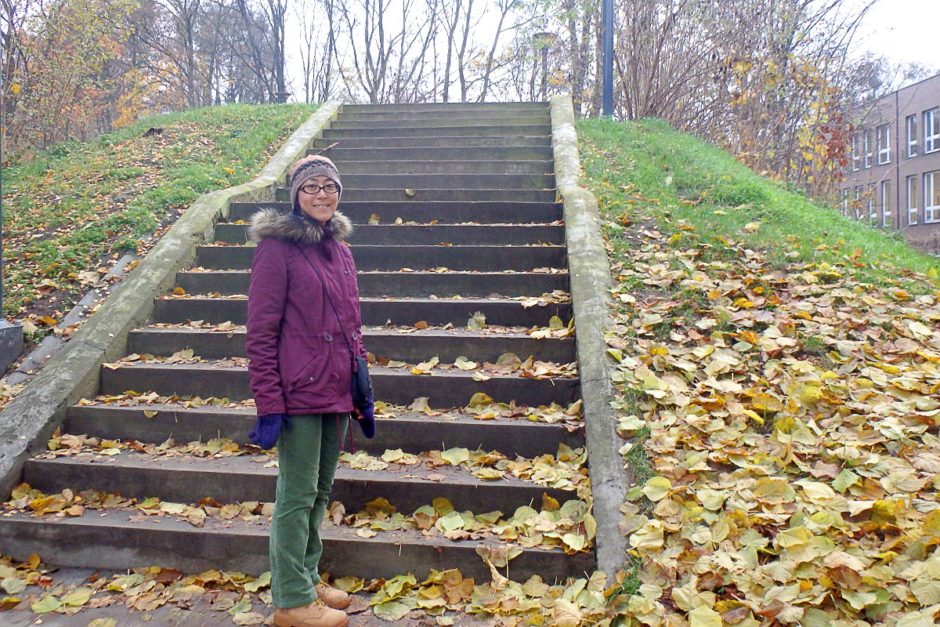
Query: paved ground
point(199, 614)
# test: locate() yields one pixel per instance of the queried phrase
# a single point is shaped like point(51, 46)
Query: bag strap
point(326, 293)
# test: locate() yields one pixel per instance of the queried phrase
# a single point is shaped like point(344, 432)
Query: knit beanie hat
point(307, 168)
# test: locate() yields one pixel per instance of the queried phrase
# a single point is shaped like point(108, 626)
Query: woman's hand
point(268, 428)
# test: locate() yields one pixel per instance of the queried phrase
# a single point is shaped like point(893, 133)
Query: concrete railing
point(589, 273)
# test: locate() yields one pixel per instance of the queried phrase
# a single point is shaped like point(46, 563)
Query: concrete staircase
point(455, 214)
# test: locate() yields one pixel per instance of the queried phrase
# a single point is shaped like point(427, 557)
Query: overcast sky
point(904, 31)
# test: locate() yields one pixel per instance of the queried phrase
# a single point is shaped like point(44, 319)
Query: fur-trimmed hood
point(294, 228)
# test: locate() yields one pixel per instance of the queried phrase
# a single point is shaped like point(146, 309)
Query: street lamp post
point(608, 57)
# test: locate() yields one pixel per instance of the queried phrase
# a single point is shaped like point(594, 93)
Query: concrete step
point(454, 143)
point(500, 107)
point(497, 153)
point(413, 347)
point(489, 182)
point(473, 130)
point(445, 120)
point(90, 540)
point(369, 118)
point(399, 284)
point(409, 431)
point(377, 311)
point(422, 211)
point(397, 386)
point(403, 194)
point(480, 167)
point(245, 478)
point(390, 258)
point(415, 234)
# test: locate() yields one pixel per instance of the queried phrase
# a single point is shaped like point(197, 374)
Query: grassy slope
point(647, 163)
point(73, 207)
point(777, 377)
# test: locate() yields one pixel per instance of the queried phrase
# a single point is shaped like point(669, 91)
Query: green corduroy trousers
point(307, 456)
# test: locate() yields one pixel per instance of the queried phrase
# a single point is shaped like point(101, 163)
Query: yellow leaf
point(657, 488)
point(550, 504)
point(480, 400)
point(46, 604)
point(442, 506)
point(765, 402)
point(711, 499)
point(456, 456)
point(379, 505)
point(78, 597)
point(566, 614)
point(477, 321)
point(932, 523)
point(649, 537)
point(575, 542)
point(704, 616)
point(926, 590)
point(465, 364)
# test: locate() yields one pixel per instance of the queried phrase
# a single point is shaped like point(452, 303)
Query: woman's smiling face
point(321, 205)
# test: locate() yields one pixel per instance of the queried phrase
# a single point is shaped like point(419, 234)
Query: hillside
point(777, 370)
point(71, 210)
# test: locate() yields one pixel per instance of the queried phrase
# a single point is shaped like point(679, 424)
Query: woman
point(303, 326)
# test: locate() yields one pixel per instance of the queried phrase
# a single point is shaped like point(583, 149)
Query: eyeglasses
point(313, 188)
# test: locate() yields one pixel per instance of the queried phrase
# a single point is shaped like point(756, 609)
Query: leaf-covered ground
point(777, 372)
point(778, 392)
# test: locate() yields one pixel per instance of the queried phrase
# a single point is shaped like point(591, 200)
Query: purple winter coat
point(298, 361)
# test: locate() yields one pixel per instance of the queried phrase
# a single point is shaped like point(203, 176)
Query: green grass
point(75, 206)
point(646, 170)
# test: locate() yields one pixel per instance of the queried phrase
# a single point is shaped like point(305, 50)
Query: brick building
point(893, 176)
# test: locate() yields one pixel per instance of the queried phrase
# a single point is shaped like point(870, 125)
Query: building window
point(856, 152)
point(932, 130)
point(912, 199)
point(932, 196)
point(911, 136)
point(844, 202)
point(866, 148)
point(887, 214)
point(883, 135)
point(870, 203)
point(857, 203)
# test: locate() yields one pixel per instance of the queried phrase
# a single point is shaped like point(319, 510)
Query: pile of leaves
point(566, 471)
point(446, 596)
point(569, 526)
point(507, 364)
point(790, 418)
point(142, 590)
point(780, 414)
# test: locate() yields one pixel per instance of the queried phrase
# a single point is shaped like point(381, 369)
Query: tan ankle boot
point(313, 615)
point(331, 597)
